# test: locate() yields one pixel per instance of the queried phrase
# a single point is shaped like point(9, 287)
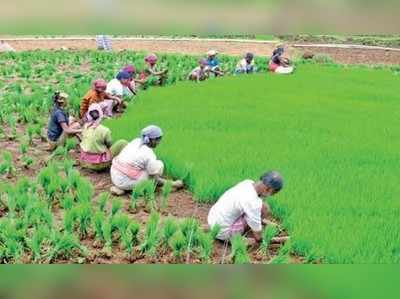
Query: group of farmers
point(238, 210)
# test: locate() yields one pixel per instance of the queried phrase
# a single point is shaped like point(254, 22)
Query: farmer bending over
point(97, 94)
point(200, 73)
point(61, 125)
point(119, 88)
point(213, 63)
point(241, 207)
point(280, 64)
point(246, 65)
point(97, 149)
point(131, 87)
point(137, 162)
point(150, 75)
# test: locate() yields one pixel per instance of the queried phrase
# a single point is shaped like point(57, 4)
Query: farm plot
point(54, 214)
point(330, 130)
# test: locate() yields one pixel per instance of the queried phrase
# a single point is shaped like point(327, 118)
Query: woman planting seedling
point(137, 162)
point(61, 125)
point(99, 95)
point(150, 75)
point(131, 86)
point(97, 149)
point(200, 73)
point(241, 207)
point(213, 63)
point(246, 65)
point(119, 87)
point(279, 64)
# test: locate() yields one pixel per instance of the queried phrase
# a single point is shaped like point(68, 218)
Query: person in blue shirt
point(213, 63)
point(60, 125)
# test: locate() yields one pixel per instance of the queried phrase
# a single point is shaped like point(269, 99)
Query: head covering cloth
point(151, 132)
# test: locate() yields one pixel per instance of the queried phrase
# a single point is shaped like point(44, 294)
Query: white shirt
point(142, 157)
point(240, 200)
point(115, 88)
point(242, 64)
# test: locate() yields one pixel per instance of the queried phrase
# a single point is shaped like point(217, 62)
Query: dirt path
point(340, 53)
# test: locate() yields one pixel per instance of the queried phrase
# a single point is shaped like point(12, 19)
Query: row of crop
point(47, 219)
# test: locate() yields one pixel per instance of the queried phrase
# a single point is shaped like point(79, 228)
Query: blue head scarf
point(124, 75)
point(151, 132)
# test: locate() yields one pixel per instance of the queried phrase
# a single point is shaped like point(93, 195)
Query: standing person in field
point(97, 149)
point(60, 125)
point(150, 75)
point(280, 64)
point(137, 162)
point(246, 65)
point(201, 72)
point(213, 63)
point(119, 88)
point(241, 207)
point(97, 94)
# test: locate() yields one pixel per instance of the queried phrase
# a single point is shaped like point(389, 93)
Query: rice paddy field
point(330, 129)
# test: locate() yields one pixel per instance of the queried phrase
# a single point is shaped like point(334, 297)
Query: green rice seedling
point(64, 186)
point(74, 179)
point(116, 206)
point(206, 246)
point(70, 217)
point(178, 245)
point(7, 165)
point(107, 234)
point(268, 234)
point(65, 246)
point(134, 199)
point(14, 250)
point(12, 125)
point(98, 222)
point(23, 148)
point(67, 202)
point(239, 253)
point(68, 165)
point(27, 161)
point(133, 230)
point(166, 191)
point(30, 132)
point(84, 191)
point(190, 228)
point(70, 144)
point(168, 231)
point(84, 213)
point(215, 230)
point(121, 222)
point(151, 237)
point(103, 200)
point(149, 188)
point(36, 241)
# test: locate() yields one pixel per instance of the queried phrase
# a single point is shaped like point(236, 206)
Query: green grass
point(331, 131)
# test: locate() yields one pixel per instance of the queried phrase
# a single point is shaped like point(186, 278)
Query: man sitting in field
point(241, 207)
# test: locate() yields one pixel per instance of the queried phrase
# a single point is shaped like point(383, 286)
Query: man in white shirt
point(241, 206)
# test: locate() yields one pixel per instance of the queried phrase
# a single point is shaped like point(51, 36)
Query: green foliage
point(103, 200)
point(239, 250)
point(206, 246)
point(98, 222)
point(84, 214)
point(7, 165)
point(151, 237)
point(116, 206)
point(178, 245)
point(169, 229)
point(166, 191)
point(305, 124)
point(268, 234)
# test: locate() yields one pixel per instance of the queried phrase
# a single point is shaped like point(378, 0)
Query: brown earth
point(181, 205)
point(340, 54)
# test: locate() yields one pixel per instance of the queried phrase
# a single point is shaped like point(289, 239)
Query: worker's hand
point(267, 222)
